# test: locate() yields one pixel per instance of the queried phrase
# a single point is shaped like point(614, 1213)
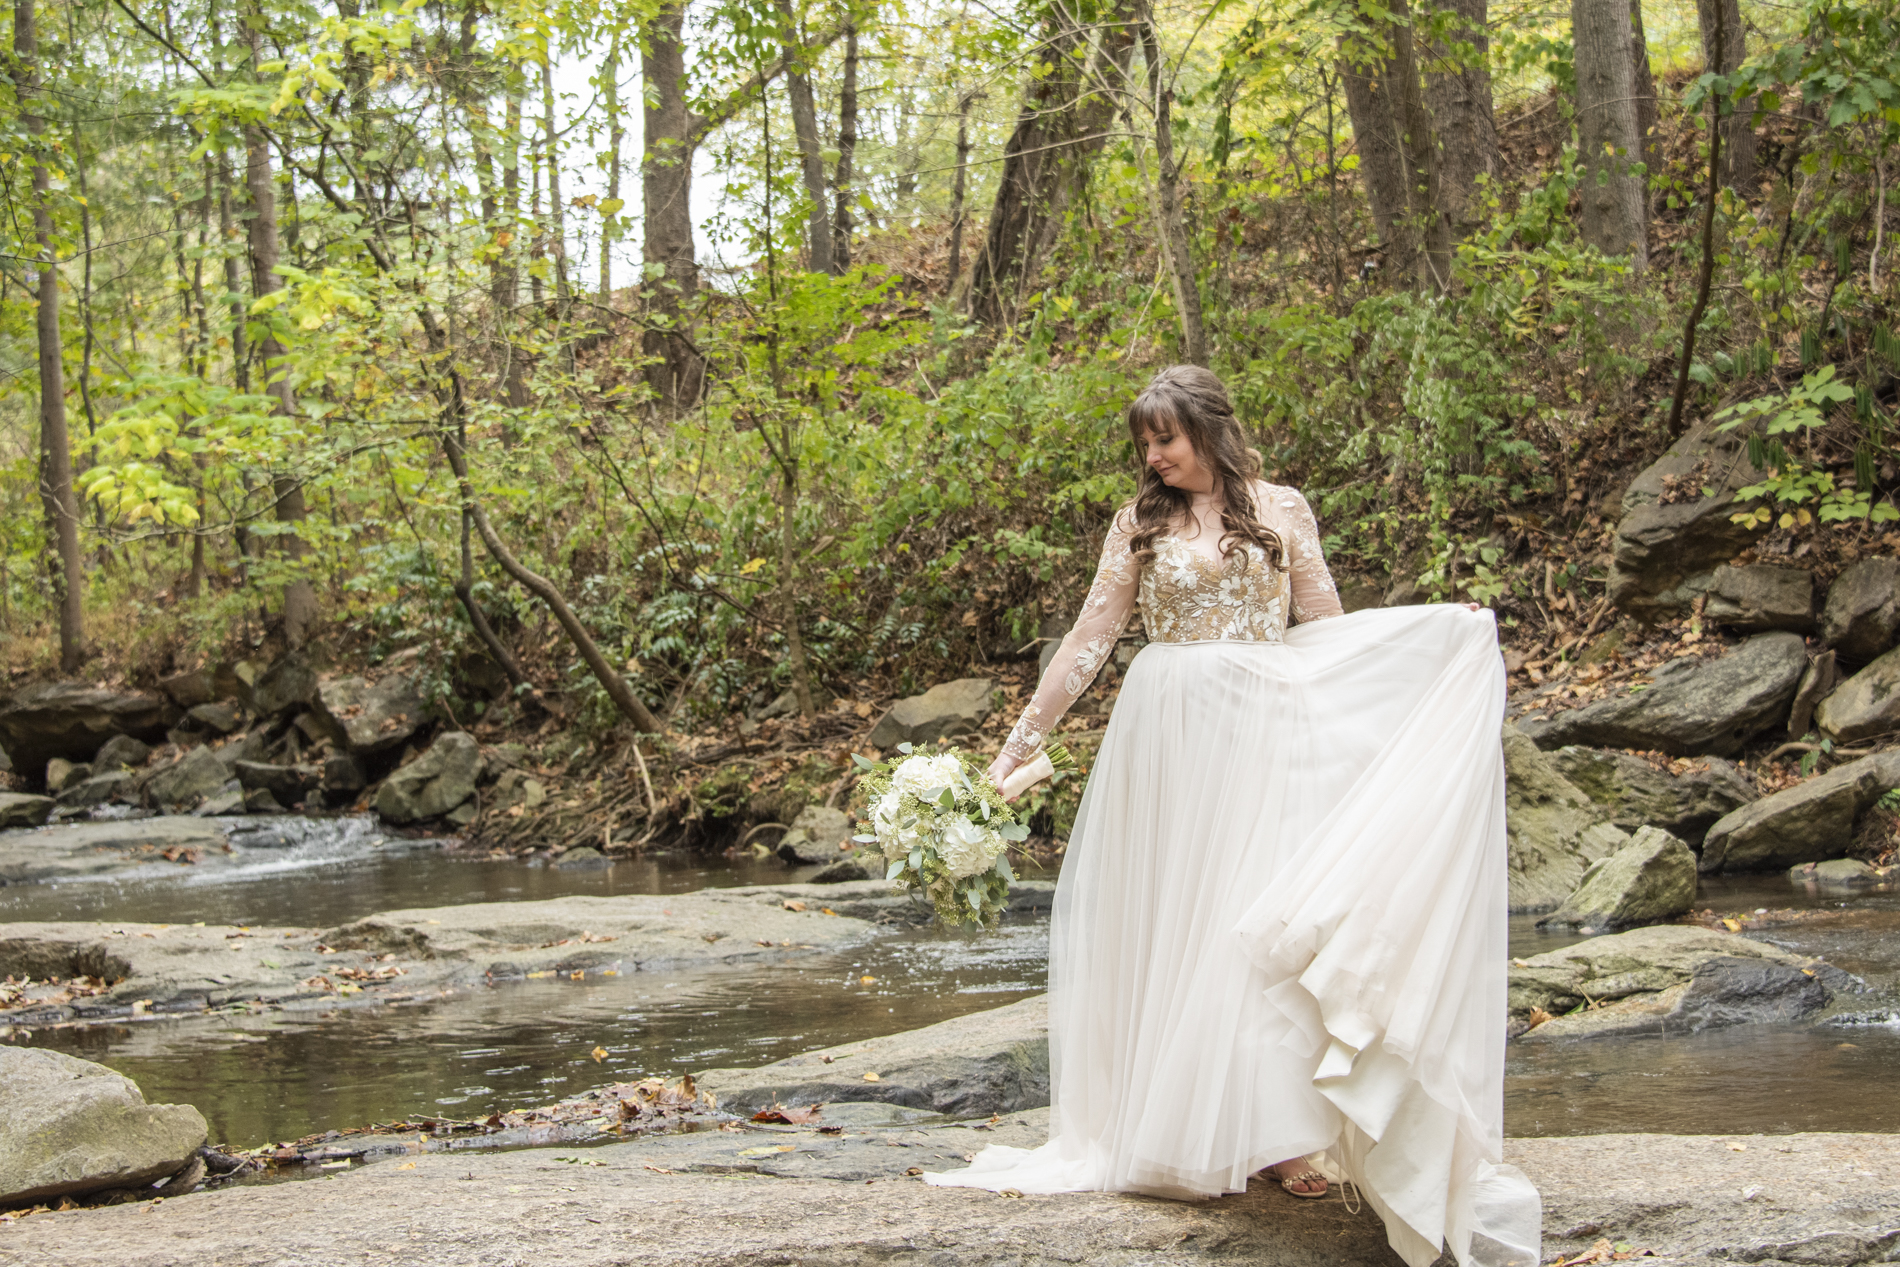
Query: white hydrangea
point(968, 848)
point(920, 774)
point(893, 840)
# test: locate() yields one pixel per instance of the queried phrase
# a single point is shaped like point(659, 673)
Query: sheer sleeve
point(1088, 645)
point(1314, 595)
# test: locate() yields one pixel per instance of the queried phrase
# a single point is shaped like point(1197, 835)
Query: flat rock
point(974, 1066)
point(72, 720)
point(1672, 537)
point(1651, 878)
point(287, 784)
point(434, 783)
point(117, 785)
point(72, 1126)
point(1841, 873)
point(792, 1195)
point(219, 718)
point(1634, 793)
point(1862, 615)
point(1554, 832)
point(1691, 707)
point(371, 716)
point(1810, 822)
point(1645, 982)
point(1865, 705)
point(91, 849)
point(22, 809)
point(1758, 596)
point(942, 712)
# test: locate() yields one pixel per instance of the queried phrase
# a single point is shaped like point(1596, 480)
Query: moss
point(725, 791)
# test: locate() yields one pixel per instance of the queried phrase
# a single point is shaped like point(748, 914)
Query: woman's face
point(1173, 458)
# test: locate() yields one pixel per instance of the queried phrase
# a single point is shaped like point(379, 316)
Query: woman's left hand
point(1476, 607)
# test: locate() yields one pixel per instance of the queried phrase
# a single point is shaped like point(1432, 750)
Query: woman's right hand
point(1002, 768)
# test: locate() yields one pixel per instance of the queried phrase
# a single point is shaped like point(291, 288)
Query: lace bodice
point(1185, 596)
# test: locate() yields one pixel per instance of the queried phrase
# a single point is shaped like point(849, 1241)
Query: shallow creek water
point(281, 1075)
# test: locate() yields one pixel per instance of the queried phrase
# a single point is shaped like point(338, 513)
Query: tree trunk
point(1366, 72)
point(507, 280)
point(57, 495)
point(1458, 90)
point(300, 596)
point(1738, 129)
point(1171, 220)
point(1419, 146)
point(610, 217)
point(1061, 125)
point(805, 126)
point(671, 273)
point(1608, 140)
point(957, 191)
point(557, 215)
point(484, 632)
point(1648, 110)
point(847, 153)
point(788, 586)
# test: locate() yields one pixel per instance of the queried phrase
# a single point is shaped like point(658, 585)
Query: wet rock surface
point(985, 1063)
point(1650, 878)
point(1634, 793)
point(90, 849)
point(434, 783)
point(185, 782)
point(1554, 831)
point(796, 1195)
point(1666, 979)
point(1810, 822)
point(815, 836)
point(72, 1126)
point(22, 809)
point(1691, 707)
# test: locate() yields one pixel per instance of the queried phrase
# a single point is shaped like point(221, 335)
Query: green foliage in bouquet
point(943, 827)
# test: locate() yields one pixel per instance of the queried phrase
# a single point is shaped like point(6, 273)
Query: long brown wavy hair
point(1191, 401)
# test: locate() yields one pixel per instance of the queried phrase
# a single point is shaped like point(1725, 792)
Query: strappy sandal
point(1308, 1176)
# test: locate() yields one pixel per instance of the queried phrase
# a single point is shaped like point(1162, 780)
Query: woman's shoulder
point(1124, 519)
point(1269, 497)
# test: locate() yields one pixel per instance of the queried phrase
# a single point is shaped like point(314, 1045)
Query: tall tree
point(1170, 217)
point(1458, 93)
point(1068, 106)
point(1738, 170)
point(610, 209)
point(847, 152)
point(805, 128)
point(957, 190)
point(300, 596)
point(1609, 142)
point(57, 495)
point(1365, 70)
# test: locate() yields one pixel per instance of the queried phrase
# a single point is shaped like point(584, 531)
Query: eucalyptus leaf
point(896, 869)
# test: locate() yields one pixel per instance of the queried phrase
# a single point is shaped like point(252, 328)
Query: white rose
point(893, 838)
point(920, 774)
point(968, 849)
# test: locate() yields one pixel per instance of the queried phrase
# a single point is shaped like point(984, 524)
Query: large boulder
point(286, 686)
point(371, 716)
point(1810, 822)
point(1760, 596)
point(1865, 705)
point(1634, 793)
point(1862, 616)
point(186, 781)
point(942, 712)
point(72, 720)
point(1651, 878)
point(1669, 979)
point(434, 783)
point(815, 836)
point(121, 752)
point(1554, 831)
point(72, 1127)
point(20, 809)
point(287, 784)
point(1673, 535)
point(1691, 707)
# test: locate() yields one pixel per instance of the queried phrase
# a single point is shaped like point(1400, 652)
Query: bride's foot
point(1299, 1179)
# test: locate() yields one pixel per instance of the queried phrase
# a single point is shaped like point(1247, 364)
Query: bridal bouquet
point(943, 827)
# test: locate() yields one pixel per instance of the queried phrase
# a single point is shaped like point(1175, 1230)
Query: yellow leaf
point(867, 980)
point(752, 565)
point(1787, 520)
point(871, 1077)
point(1734, 926)
point(599, 1054)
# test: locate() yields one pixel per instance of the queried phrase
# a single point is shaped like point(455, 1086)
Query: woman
point(1280, 927)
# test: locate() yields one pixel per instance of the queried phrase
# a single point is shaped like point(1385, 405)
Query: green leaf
point(896, 869)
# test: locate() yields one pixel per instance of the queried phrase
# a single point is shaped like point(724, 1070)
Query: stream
point(283, 1075)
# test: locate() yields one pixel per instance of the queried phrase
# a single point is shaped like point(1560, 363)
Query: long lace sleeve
point(1088, 645)
point(1314, 595)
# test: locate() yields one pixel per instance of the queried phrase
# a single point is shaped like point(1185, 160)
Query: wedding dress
point(1280, 924)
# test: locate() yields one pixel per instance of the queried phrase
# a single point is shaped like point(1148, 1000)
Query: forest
point(629, 367)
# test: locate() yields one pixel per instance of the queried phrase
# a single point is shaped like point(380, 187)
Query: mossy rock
point(808, 783)
point(724, 792)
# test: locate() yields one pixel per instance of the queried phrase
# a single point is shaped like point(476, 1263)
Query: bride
point(1279, 933)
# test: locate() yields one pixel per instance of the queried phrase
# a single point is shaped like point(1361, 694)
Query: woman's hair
point(1191, 401)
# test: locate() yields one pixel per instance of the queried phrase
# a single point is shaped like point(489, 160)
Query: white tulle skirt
point(1280, 930)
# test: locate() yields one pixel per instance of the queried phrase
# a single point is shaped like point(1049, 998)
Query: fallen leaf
point(407, 1165)
point(1734, 926)
point(766, 1150)
point(867, 980)
point(871, 1077)
point(599, 1054)
point(914, 1171)
point(1737, 1147)
point(789, 1117)
point(793, 904)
